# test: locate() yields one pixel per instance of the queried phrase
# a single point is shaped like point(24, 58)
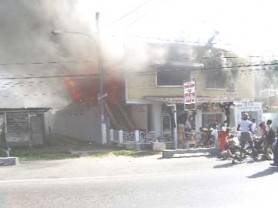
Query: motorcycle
point(233, 148)
point(260, 149)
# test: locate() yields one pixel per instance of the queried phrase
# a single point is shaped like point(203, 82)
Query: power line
point(138, 72)
point(29, 95)
point(144, 14)
point(216, 69)
point(183, 42)
point(50, 76)
point(131, 12)
point(26, 85)
point(90, 61)
point(48, 62)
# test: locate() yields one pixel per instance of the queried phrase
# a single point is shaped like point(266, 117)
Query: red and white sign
point(189, 92)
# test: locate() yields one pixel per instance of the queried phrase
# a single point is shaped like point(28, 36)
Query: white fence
point(137, 136)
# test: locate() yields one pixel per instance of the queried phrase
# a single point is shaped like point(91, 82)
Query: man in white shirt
point(253, 126)
point(245, 127)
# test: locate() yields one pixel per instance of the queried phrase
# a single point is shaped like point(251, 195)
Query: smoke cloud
point(27, 47)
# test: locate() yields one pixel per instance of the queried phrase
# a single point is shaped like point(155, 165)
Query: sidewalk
point(169, 153)
point(108, 166)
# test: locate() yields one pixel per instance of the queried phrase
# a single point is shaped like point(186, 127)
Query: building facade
point(23, 126)
point(224, 89)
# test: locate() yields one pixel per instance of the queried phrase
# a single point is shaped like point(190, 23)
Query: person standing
point(262, 140)
point(245, 128)
point(262, 126)
point(269, 139)
point(270, 134)
point(275, 153)
point(254, 126)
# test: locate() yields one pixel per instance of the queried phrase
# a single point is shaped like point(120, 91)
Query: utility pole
point(101, 76)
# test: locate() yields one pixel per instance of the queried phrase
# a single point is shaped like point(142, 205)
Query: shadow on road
point(191, 155)
point(230, 164)
point(177, 156)
point(266, 172)
point(226, 165)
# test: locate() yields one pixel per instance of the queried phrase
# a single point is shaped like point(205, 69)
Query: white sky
point(244, 25)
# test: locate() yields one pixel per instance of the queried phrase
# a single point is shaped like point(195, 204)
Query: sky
point(243, 25)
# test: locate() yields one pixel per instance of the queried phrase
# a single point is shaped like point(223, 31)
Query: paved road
point(193, 181)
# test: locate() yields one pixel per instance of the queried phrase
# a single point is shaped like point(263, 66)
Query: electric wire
point(144, 14)
point(130, 12)
point(47, 62)
point(140, 72)
point(93, 61)
point(49, 76)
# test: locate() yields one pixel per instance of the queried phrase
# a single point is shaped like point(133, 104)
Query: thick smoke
point(26, 41)
point(27, 47)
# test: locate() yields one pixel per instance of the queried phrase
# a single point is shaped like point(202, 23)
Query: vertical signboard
point(189, 95)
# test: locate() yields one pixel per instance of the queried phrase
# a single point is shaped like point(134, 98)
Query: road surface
point(187, 181)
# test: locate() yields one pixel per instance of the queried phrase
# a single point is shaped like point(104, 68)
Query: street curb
point(8, 161)
point(170, 153)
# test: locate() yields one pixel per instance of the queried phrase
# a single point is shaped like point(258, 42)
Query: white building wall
point(156, 119)
point(139, 115)
point(83, 124)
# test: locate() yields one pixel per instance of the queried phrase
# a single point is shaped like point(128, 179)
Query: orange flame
point(86, 90)
point(82, 90)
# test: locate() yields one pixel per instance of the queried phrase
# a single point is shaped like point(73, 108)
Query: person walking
point(245, 128)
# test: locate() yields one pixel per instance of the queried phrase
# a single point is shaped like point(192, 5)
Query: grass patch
point(59, 148)
point(52, 156)
point(126, 153)
point(99, 154)
point(25, 154)
point(134, 153)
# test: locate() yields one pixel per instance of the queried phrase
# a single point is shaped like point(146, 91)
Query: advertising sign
point(189, 94)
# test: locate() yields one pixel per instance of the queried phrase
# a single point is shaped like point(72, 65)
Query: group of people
point(208, 137)
point(248, 131)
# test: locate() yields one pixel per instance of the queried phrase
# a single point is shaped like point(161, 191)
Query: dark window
point(208, 119)
point(172, 76)
point(216, 79)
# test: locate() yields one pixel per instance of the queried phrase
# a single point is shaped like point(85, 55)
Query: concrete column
point(111, 135)
point(103, 133)
point(156, 119)
point(121, 137)
point(199, 119)
point(137, 136)
point(175, 128)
